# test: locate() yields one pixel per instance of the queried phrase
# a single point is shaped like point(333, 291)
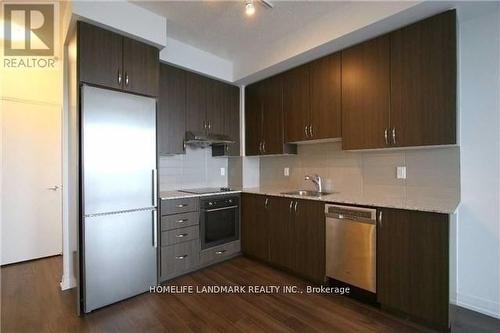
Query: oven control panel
point(219, 202)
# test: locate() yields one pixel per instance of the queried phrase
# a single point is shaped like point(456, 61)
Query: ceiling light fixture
point(249, 8)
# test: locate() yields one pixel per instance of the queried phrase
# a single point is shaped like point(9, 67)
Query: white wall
point(478, 225)
point(125, 18)
point(193, 59)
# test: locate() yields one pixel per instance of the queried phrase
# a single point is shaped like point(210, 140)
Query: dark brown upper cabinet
point(325, 86)
point(413, 265)
point(399, 90)
point(423, 82)
point(296, 104)
point(196, 91)
point(140, 67)
point(232, 118)
point(312, 100)
point(208, 103)
point(264, 118)
point(171, 123)
point(366, 94)
point(253, 119)
point(111, 60)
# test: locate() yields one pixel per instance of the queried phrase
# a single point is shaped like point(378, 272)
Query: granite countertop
point(430, 205)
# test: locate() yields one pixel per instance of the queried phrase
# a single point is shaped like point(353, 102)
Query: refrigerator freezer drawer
point(119, 257)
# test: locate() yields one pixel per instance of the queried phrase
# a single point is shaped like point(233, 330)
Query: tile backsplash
point(432, 173)
point(196, 168)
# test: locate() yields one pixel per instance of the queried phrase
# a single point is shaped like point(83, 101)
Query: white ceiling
point(223, 29)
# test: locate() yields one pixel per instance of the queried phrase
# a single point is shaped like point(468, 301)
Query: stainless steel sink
point(305, 193)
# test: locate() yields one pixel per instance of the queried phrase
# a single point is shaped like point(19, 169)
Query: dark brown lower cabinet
point(309, 239)
point(281, 233)
point(254, 226)
point(412, 265)
point(287, 233)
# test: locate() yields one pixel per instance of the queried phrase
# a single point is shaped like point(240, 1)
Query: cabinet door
point(141, 64)
point(366, 94)
point(325, 82)
point(254, 226)
point(296, 104)
point(253, 119)
point(99, 56)
point(281, 234)
point(272, 115)
point(423, 82)
point(309, 239)
point(196, 102)
point(215, 106)
point(232, 117)
point(171, 110)
point(412, 264)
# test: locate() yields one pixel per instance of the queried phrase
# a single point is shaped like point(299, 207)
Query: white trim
point(479, 304)
point(67, 282)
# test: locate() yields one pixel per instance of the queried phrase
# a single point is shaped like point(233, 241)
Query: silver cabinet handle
point(260, 147)
point(380, 218)
point(266, 202)
point(386, 137)
point(181, 235)
point(181, 205)
point(311, 131)
point(119, 78)
point(394, 135)
point(126, 79)
point(220, 252)
point(182, 220)
point(222, 208)
point(155, 229)
point(181, 257)
point(295, 208)
point(264, 146)
point(53, 188)
point(305, 131)
point(291, 205)
point(209, 124)
point(155, 187)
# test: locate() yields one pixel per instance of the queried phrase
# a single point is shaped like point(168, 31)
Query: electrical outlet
point(222, 171)
point(401, 172)
point(286, 172)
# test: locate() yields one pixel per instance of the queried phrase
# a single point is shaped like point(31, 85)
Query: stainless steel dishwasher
point(351, 238)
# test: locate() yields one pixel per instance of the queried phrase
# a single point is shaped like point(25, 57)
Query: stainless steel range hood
point(202, 139)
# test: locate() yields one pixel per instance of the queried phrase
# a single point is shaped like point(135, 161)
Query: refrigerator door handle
point(155, 228)
point(155, 187)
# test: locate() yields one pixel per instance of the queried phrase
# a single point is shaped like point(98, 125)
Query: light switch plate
point(222, 171)
point(401, 172)
point(286, 172)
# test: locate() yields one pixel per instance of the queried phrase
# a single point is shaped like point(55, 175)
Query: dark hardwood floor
point(33, 302)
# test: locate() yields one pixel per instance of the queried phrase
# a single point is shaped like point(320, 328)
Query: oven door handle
point(222, 208)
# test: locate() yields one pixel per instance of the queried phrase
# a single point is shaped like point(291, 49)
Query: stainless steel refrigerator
point(118, 196)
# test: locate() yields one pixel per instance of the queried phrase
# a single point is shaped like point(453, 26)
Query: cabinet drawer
point(178, 259)
point(176, 206)
point(219, 253)
point(180, 235)
point(169, 222)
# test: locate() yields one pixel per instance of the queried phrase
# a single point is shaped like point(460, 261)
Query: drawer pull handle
point(220, 252)
point(181, 257)
point(181, 235)
point(182, 220)
point(181, 205)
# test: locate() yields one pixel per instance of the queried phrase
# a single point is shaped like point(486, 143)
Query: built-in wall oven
point(219, 220)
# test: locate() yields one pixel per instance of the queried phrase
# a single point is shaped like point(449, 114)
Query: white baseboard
point(478, 304)
point(68, 282)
